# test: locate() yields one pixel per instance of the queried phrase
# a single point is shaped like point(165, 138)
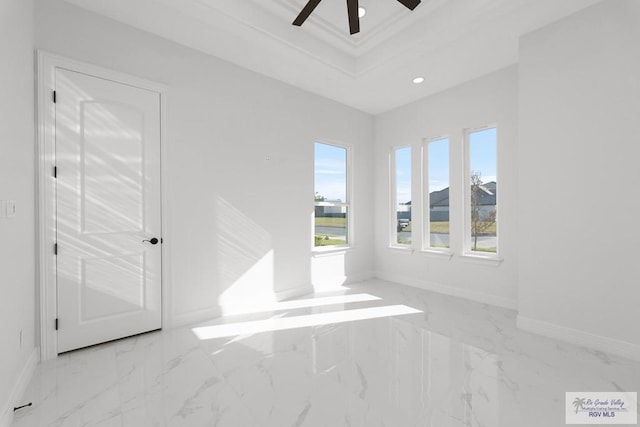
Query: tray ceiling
point(446, 41)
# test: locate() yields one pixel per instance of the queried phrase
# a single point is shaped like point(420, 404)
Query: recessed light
point(418, 80)
point(361, 12)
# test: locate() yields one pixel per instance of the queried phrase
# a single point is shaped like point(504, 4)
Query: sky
point(331, 161)
point(438, 164)
point(331, 172)
point(403, 175)
point(482, 152)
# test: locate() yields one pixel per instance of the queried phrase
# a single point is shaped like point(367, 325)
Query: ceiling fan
point(352, 9)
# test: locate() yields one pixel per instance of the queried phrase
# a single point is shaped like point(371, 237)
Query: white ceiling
point(446, 41)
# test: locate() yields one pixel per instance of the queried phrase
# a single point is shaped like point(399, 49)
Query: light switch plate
point(10, 208)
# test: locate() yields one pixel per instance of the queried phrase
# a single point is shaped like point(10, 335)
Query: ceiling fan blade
point(354, 19)
point(306, 11)
point(411, 4)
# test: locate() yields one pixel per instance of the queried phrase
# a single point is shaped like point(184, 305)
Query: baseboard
point(585, 339)
point(195, 316)
point(480, 297)
point(337, 282)
point(306, 290)
point(293, 293)
point(20, 386)
point(202, 315)
point(360, 277)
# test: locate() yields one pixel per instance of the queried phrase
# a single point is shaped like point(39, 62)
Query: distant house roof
point(487, 197)
point(439, 198)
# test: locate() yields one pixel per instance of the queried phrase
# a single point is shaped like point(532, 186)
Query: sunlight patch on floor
point(282, 323)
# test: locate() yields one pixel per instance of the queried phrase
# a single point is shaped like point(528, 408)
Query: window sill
point(476, 258)
point(407, 250)
point(329, 250)
point(439, 254)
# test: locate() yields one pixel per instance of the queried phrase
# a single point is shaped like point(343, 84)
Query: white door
point(108, 209)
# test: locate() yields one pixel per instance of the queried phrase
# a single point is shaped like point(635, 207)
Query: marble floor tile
point(374, 354)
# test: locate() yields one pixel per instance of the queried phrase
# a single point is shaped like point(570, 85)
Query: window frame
point(350, 241)
point(426, 196)
point(393, 193)
point(467, 237)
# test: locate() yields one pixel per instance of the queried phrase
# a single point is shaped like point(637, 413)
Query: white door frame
point(46, 198)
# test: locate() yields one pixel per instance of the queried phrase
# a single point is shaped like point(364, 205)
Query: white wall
point(579, 108)
point(17, 245)
point(488, 100)
point(239, 226)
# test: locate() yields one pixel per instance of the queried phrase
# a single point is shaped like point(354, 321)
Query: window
point(436, 152)
point(401, 195)
point(331, 214)
point(482, 191)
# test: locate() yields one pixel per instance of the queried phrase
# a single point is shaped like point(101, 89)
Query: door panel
point(108, 202)
point(112, 169)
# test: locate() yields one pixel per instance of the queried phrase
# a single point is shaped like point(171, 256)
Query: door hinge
point(55, 249)
point(54, 97)
point(55, 171)
point(56, 323)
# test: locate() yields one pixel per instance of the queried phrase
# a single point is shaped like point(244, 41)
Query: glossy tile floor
point(377, 354)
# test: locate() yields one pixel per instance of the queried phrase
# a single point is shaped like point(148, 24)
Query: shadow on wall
point(245, 261)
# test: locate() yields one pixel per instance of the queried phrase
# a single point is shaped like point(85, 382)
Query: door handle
point(153, 241)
